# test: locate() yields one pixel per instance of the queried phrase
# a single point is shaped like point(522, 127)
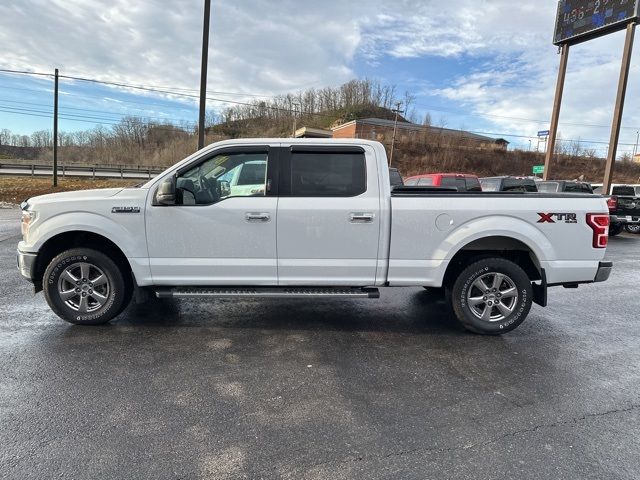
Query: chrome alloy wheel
point(492, 297)
point(83, 287)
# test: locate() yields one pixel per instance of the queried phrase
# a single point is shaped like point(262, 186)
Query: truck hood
point(95, 194)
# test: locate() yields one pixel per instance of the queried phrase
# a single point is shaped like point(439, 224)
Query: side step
point(267, 292)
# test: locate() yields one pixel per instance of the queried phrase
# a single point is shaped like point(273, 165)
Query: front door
point(222, 230)
point(328, 216)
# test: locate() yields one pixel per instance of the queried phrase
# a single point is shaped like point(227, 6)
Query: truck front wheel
point(492, 296)
point(85, 287)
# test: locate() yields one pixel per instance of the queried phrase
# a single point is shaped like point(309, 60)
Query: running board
point(267, 292)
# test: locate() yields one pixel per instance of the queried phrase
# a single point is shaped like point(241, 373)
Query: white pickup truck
point(315, 218)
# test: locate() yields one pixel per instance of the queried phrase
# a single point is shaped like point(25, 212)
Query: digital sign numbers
point(580, 20)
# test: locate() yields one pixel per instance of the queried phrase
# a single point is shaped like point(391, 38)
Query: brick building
point(382, 131)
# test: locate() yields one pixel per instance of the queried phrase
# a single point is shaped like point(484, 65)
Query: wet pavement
point(322, 389)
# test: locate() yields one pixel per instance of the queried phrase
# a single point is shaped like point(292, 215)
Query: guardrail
point(36, 169)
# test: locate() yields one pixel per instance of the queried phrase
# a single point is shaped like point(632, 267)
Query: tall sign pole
point(55, 129)
point(617, 114)
point(555, 115)
point(203, 72)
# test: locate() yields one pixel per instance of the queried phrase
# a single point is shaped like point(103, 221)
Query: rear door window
point(328, 174)
point(425, 181)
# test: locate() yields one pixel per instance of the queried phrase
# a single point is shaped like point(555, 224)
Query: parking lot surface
point(319, 389)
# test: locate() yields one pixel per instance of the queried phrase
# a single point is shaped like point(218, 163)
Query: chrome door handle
point(361, 217)
point(257, 217)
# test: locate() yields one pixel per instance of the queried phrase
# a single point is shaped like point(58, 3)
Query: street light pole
point(397, 111)
point(203, 72)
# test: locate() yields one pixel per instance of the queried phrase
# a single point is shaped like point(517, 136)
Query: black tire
point(112, 287)
point(633, 228)
point(616, 229)
point(514, 283)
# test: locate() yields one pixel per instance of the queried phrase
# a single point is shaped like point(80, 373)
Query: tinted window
point(328, 174)
point(425, 181)
point(548, 187)
point(519, 185)
point(473, 184)
point(576, 187)
point(394, 177)
point(624, 191)
point(412, 182)
point(490, 184)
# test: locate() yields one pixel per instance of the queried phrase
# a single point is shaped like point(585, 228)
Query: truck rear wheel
point(85, 287)
point(492, 296)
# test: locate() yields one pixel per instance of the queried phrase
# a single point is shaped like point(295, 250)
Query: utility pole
point(397, 111)
point(635, 148)
point(55, 129)
point(295, 106)
point(203, 72)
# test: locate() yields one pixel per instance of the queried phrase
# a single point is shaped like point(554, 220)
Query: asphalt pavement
point(321, 389)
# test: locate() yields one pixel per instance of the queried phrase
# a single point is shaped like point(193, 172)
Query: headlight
point(28, 217)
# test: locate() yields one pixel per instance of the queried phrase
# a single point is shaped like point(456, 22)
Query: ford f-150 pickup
point(307, 218)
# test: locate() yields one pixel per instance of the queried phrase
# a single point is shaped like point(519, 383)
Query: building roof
point(416, 127)
point(308, 132)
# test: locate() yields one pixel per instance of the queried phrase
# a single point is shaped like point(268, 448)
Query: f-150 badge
point(558, 217)
point(125, 210)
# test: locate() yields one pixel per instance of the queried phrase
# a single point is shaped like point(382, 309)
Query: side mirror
point(166, 193)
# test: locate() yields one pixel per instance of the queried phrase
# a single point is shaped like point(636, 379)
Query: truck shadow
point(398, 310)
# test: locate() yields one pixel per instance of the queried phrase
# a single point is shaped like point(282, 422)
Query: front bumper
point(604, 271)
point(26, 265)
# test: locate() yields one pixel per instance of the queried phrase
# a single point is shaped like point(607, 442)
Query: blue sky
point(486, 66)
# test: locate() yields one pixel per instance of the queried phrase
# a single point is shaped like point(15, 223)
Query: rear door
point(328, 221)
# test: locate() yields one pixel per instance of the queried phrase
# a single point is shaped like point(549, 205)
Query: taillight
point(612, 203)
point(599, 223)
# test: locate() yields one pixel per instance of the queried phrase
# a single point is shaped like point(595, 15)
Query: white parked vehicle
point(314, 218)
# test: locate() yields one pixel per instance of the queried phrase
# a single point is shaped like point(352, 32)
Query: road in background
point(322, 389)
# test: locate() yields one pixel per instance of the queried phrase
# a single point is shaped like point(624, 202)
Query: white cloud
point(267, 47)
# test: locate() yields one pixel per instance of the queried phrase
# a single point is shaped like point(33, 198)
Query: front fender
point(116, 232)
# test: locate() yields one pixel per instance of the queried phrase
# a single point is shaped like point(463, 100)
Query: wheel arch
point(79, 239)
point(501, 246)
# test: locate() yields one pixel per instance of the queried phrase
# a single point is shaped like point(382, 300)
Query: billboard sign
point(581, 20)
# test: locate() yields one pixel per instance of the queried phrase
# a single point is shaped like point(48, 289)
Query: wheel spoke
point(66, 275)
point(479, 284)
point(504, 310)
point(509, 293)
point(99, 280)
point(68, 294)
point(98, 297)
point(82, 306)
point(497, 280)
point(84, 270)
point(473, 301)
point(486, 313)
